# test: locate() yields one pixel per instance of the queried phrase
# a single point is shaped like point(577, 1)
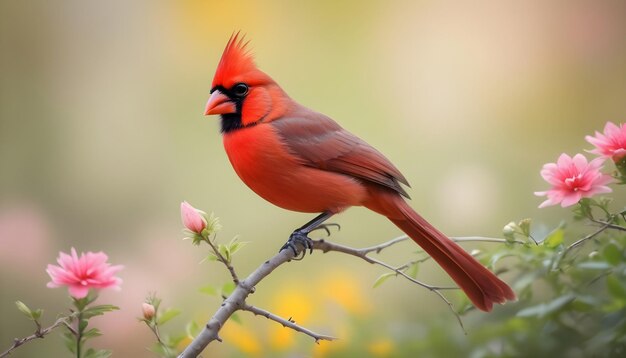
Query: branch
point(609, 225)
point(237, 300)
point(39, 333)
point(234, 302)
point(290, 323)
point(223, 260)
point(484, 239)
point(326, 246)
point(588, 237)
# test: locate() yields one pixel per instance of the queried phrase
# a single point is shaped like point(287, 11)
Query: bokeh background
point(102, 136)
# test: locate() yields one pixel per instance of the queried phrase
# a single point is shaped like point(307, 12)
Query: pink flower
point(573, 179)
point(611, 144)
point(192, 218)
point(79, 274)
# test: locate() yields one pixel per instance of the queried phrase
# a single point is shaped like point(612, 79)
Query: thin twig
point(39, 333)
point(484, 239)
point(223, 260)
point(290, 323)
point(609, 225)
point(588, 237)
point(326, 246)
point(154, 327)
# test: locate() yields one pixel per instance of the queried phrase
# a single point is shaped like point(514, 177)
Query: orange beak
point(219, 103)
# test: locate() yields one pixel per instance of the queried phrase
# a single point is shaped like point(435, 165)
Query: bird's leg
point(300, 236)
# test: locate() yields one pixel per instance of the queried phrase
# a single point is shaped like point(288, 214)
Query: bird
point(304, 161)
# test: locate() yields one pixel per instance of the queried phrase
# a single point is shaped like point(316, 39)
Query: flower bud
point(509, 229)
point(148, 311)
point(192, 219)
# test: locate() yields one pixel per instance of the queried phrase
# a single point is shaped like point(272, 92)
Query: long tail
point(481, 286)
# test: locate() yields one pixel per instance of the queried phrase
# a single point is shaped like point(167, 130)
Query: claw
point(298, 238)
point(326, 226)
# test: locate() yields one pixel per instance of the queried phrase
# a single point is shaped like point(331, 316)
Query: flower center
point(574, 182)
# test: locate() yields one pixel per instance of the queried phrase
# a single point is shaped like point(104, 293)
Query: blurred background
point(102, 136)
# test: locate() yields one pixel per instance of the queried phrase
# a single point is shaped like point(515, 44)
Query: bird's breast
point(263, 161)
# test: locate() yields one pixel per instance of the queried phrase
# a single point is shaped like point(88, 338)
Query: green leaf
point(37, 314)
point(98, 310)
point(212, 223)
point(209, 290)
point(192, 329)
point(211, 256)
point(497, 257)
point(24, 309)
point(82, 324)
point(413, 269)
point(382, 278)
point(236, 318)
point(235, 246)
point(544, 309)
point(70, 341)
point(228, 288)
point(555, 238)
point(173, 341)
point(612, 254)
point(224, 251)
point(91, 353)
point(167, 315)
point(615, 287)
point(93, 332)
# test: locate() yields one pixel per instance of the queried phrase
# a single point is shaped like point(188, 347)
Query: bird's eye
point(240, 89)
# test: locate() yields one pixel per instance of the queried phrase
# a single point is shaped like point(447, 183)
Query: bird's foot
point(298, 238)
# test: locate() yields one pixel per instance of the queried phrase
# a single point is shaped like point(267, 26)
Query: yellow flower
point(345, 289)
point(381, 348)
point(289, 303)
point(242, 338)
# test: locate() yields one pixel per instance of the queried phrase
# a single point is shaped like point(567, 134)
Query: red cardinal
point(303, 161)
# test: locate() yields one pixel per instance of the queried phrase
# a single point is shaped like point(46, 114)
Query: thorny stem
point(290, 323)
point(234, 302)
point(39, 333)
point(237, 299)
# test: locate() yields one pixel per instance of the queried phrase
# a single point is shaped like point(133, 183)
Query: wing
point(321, 143)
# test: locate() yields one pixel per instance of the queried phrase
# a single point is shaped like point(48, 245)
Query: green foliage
point(166, 344)
point(226, 250)
point(571, 287)
point(572, 297)
point(32, 315)
point(76, 337)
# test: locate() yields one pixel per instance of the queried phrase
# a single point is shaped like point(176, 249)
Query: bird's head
point(242, 94)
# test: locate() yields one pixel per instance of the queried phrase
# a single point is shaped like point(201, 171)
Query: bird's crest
point(236, 60)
